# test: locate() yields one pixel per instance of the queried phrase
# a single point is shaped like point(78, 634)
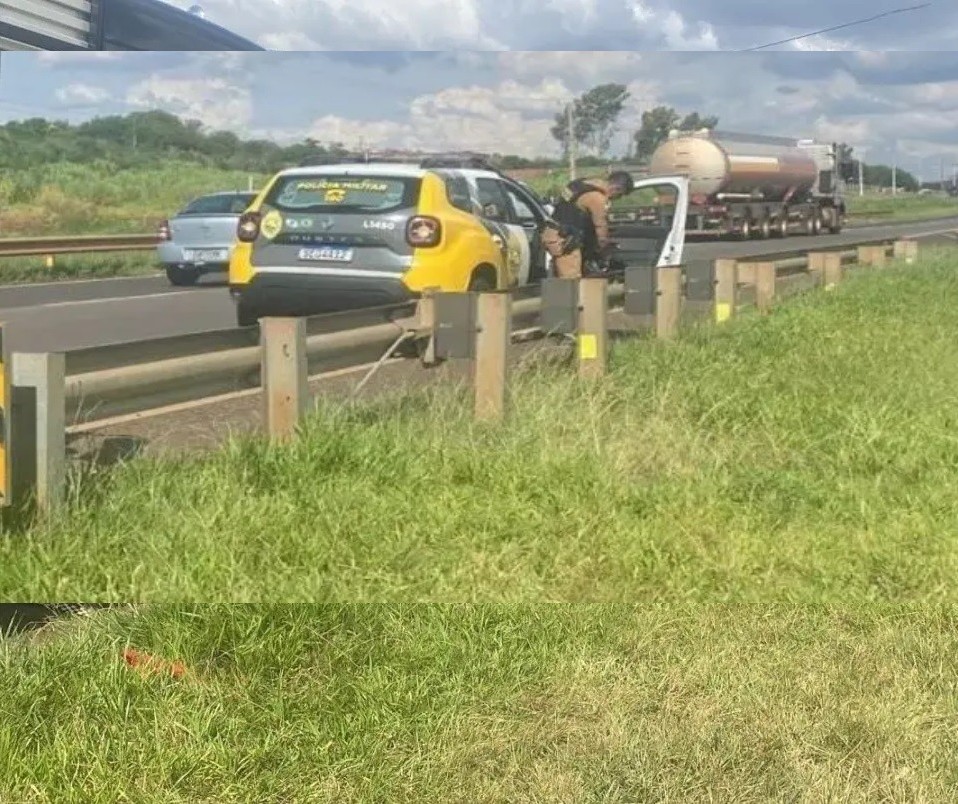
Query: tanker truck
point(755, 186)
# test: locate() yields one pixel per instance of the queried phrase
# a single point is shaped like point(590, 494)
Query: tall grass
point(66, 198)
point(805, 458)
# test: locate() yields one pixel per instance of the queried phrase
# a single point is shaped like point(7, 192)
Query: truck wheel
point(833, 221)
point(746, 233)
point(765, 229)
point(816, 223)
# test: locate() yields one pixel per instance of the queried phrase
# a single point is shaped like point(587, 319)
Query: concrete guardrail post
point(426, 315)
point(6, 427)
point(668, 302)
point(832, 270)
point(284, 375)
point(493, 342)
point(871, 256)
point(39, 429)
point(593, 329)
point(816, 266)
point(765, 274)
point(726, 289)
point(906, 250)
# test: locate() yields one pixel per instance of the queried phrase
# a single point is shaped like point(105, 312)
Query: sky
point(582, 24)
point(893, 106)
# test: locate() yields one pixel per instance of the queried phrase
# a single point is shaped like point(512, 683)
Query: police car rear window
point(220, 204)
point(344, 194)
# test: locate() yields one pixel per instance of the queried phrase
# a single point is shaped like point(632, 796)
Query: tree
point(658, 122)
point(695, 122)
point(596, 113)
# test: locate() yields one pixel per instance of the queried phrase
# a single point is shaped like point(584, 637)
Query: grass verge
point(480, 704)
point(808, 457)
point(881, 208)
point(23, 270)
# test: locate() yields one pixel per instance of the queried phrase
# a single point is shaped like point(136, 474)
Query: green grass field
point(807, 458)
point(481, 704)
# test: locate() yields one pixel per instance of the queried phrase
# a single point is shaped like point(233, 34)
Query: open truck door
point(656, 240)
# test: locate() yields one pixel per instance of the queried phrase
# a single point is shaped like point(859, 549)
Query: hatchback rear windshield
point(344, 194)
point(231, 204)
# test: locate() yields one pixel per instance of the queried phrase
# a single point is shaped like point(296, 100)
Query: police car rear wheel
point(483, 281)
point(246, 315)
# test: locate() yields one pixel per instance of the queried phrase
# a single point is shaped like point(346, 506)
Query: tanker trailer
point(754, 186)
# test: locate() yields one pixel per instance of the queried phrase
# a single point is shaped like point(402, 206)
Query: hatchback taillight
point(164, 231)
point(423, 232)
point(247, 230)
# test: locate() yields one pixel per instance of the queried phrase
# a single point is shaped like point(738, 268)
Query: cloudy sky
point(583, 24)
point(886, 101)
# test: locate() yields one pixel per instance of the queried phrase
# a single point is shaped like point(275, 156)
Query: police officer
point(577, 236)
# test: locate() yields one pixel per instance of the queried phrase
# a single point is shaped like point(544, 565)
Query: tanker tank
point(735, 167)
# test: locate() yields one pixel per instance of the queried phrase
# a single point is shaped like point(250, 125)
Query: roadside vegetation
point(482, 704)
point(65, 267)
point(807, 458)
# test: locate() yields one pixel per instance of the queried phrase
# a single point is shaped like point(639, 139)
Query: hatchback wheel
point(182, 277)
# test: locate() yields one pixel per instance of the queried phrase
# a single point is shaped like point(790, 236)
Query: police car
point(371, 231)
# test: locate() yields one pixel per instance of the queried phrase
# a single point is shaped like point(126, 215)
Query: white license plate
point(205, 255)
point(326, 254)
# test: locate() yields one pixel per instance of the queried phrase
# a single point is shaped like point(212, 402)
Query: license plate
point(204, 255)
point(326, 254)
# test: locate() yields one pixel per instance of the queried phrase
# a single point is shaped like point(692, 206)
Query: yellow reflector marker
point(588, 347)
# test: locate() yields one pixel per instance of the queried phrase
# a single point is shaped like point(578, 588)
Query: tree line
point(139, 139)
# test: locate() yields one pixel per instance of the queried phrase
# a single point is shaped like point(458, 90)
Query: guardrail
point(93, 244)
point(81, 388)
point(115, 380)
point(84, 244)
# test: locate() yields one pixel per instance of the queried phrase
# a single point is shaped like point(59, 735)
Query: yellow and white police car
point(363, 233)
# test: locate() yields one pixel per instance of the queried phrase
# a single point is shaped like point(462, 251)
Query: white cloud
point(357, 24)
point(82, 94)
point(213, 101)
point(578, 66)
point(80, 58)
point(821, 43)
point(671, 25)
point(510, 117)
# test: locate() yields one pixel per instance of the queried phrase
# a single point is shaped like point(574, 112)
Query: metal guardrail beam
point(85, 244)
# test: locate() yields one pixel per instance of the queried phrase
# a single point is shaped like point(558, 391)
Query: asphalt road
point(72, 315)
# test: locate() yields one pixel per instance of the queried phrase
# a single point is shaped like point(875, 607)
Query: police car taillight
point(164, 231)
point(247, 230)
point(423, 232)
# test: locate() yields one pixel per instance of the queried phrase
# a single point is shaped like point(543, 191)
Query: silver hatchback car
point(199, 239)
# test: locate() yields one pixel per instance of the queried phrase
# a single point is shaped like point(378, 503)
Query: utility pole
point(861, 176)
point(570, 114)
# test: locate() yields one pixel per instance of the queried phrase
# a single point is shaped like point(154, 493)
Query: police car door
point(497, 214)
point(658, 238)
point(530, 216)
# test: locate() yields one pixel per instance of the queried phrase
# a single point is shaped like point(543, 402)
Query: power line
point(840, 27)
